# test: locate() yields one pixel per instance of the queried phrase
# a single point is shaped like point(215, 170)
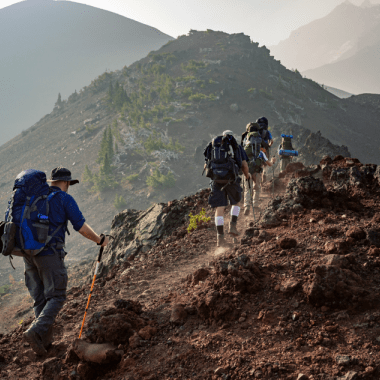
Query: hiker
point(267, 138)
point(223, 160)
point(257, 159)
point(45, 273)
point(286, 151)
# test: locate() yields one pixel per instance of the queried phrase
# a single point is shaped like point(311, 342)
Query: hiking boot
point(220, 241)
point(35, 342)
point(47, 339)
point(233, 230)
point(246, 211)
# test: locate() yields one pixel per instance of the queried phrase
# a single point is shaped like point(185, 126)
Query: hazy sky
point(265, 21)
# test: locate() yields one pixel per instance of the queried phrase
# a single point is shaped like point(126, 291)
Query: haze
point(265, 21)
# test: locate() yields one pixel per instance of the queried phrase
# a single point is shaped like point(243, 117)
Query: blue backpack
point(27, 216)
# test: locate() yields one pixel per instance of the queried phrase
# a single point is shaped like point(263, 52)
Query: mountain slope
point(349, 34)
point(166, 108)
point(49, 47)
point(294, 299)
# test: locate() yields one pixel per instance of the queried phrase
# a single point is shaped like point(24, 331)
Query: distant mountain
point(339, 93)
point(340, 50)
point(49, 47)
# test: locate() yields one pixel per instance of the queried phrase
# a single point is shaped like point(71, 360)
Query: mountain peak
point(366, 4)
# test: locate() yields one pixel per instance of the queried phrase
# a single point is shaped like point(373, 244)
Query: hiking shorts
point(220, 198)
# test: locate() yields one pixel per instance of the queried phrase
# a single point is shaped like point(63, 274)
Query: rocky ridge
point(294, 299)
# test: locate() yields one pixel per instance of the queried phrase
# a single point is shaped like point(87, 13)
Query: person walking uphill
point(223, 162)
point(45, 270)
point(257, 160)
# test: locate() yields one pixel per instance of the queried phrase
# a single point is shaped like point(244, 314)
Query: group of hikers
point(39, 209)
point(235, 168)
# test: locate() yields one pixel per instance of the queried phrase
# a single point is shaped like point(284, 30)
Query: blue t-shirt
point(243, 154)
point(63, 208)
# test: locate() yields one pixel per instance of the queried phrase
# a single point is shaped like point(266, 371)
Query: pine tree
point(59, 101)
point(87, 175)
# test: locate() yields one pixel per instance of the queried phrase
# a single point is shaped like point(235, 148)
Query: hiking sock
point(219, 222)
point(235, 210)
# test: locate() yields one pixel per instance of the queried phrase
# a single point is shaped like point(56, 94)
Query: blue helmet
point(262, 120)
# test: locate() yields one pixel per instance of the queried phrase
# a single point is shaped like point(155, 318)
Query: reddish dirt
point(299, 298)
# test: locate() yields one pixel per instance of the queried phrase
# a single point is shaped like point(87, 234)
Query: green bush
point(132, 177)
point(266, 94)
point(119, 202)
point(87, 176)
point(252, 89)
point(197, 220)
point(193, 65)
point(158, 180)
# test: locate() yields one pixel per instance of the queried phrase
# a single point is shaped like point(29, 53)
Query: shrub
point(158, 180)
point(197, 220)
point(252, 89)
point(119, 202)
point(132, 177)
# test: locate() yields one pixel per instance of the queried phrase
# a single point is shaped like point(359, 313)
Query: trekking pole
point(273, 184)
point(93, 280)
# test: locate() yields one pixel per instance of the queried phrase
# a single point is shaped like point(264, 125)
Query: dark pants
point(231, 194)
point(46, 280)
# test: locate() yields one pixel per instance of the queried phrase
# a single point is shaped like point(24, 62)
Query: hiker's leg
point(247, 195)
point(257, 189)
point(53, 272)
point(218, 200)
point(266, 168)
point(234, 193)
point(35, 286)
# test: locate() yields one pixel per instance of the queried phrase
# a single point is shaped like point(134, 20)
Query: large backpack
point(27, 217)
point(222, 166)
point(252, 147)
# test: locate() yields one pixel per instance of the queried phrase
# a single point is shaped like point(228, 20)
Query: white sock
point(235, 210)
point(219, 221)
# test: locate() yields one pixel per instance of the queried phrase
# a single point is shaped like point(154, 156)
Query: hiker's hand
point(248, 177)
point(106, 241)
point(273, 160)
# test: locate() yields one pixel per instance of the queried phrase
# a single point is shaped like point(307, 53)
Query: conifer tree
point(59, 100)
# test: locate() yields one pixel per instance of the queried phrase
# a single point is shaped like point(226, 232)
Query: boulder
point(356, 233)
point(287, 243)
point(51, 369)
point(178, 314)
point(103, 353)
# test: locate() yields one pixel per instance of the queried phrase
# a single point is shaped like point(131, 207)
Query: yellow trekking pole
point(93, 280)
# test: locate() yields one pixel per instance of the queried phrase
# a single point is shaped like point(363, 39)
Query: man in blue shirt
point(46, 273)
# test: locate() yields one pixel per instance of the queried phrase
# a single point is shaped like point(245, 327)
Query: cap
point(62, 174)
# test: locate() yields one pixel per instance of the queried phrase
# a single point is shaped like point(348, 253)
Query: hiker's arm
point(90, 234)
point(244, 168)
point(271, 162)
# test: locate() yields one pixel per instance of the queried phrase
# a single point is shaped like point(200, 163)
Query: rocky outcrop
point(300, 193)
point(137, 232)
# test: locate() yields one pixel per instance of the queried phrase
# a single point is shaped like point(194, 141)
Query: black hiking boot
point(220, 241)
point(47, 339)
point(233, 230)
point(35, 342)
